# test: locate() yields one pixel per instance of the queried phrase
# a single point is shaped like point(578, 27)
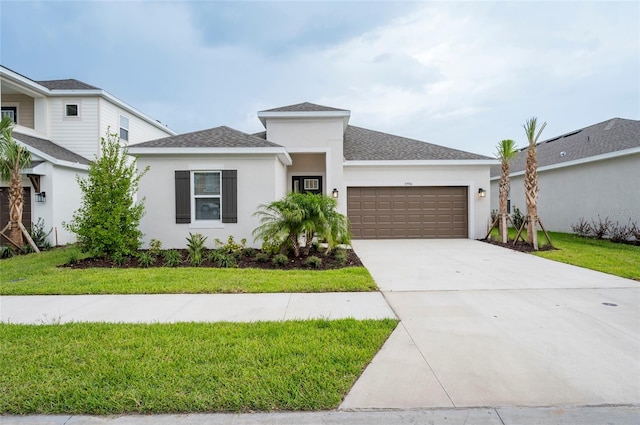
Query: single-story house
point(586, 173)
point(212, 181)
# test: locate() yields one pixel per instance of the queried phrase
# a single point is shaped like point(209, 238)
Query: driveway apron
point(486, 326)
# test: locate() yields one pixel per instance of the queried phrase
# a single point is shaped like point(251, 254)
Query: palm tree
point(13, 157)
point(531, 180)
point(506, 151)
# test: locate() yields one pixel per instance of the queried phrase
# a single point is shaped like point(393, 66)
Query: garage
point(425, 212)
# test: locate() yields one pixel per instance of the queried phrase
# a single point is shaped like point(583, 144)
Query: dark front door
point(312, 184)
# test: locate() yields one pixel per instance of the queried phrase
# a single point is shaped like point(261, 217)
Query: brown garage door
point(4, 210)
point(407, 212)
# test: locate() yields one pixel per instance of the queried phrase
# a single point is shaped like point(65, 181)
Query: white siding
point(25, 107)
point(472, 176)
point(139, 129)
point(259, 182)
point(79, 135)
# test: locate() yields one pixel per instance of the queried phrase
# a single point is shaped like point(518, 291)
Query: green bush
point(262, 257)
point(248, 252)
point(107, 221)
point(196, 248)
point(232, 247)
point(223, 259)
point(517, 218)
point(155, 247)
point(73, 256)
point(39, 235)
point(313, 262)
point(7, 252)
point(145, 259)
point(118, 259)
point(340, 255)
point(172, 258)
point(280, 260)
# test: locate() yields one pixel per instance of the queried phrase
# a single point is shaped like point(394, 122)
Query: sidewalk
point(48, 309)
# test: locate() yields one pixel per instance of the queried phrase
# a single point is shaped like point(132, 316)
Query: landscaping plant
point(531, 180)
point(506, 151)
point(196, 248)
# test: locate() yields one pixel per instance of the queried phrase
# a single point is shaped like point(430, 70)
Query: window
point(71, 110)
point(207, 195)
point(311, 184)
point(124, 127)
point(11, 112)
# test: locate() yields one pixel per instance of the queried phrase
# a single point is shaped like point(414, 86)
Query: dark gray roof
point(50, 148)
point(70, 84)
point(219, 137)
point(608, 136)
point(361, 144)
point(305, 107)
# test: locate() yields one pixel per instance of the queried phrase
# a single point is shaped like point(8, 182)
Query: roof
point(616, 134)
point(219, 137)
point(361, 144)
point(305, 107)
point(69, 84)
point(50, 148)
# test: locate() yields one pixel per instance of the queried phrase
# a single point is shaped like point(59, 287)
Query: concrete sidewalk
point(48, 309)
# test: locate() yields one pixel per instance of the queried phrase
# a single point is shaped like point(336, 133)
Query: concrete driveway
point(486, 326)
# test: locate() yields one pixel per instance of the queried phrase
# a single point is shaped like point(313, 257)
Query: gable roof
point(616, 134)
point(305, 107)
point(69, 84)
point(218, 137)
point(49, 148)
point(361, 144)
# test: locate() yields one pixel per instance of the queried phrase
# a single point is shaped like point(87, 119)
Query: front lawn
point(38, 274)
point(97, 368)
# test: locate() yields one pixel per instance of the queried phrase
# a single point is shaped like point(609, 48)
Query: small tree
point(107, 221)
point(531, 180)
point(506, 151)
point(13, 158)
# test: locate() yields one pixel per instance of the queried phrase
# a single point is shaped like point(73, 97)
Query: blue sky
point(459, 74)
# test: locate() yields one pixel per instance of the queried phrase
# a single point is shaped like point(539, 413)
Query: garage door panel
point(408, 212)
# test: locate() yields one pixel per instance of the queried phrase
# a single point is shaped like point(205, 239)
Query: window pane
point(124, 122)
point(124, 134)
point(72, 110)
point(207, 208)
point(206, 183)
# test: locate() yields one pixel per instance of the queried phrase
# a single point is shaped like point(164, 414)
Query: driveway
point(486, 326)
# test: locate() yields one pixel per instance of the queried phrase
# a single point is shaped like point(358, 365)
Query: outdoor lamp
point(334, 193)
point(482, 193)
point(41, 197)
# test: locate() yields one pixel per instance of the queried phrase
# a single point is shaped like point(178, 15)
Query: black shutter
point(230, 196)
point(183, 196)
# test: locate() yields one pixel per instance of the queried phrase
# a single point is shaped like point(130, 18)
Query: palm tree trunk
point(16, 204)
point(503, 195)
point(531, 194)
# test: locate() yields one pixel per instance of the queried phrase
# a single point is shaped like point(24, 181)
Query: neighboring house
point(213, 181)
point(61, 123)
point(591, 172)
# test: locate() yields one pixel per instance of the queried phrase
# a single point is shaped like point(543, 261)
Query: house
point(586, 173)
point(212, 181)
point(61, 122)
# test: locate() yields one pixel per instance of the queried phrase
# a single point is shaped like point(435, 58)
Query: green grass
point(38, 274)
point(97, 368)
point(595, 254)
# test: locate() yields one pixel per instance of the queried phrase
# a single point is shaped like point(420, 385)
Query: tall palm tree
point(531, 180)
point(506, 151)
point(13, 157)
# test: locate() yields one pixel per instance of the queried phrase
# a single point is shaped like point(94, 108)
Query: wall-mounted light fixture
point(482, 193)
point(41, 197)
point(334, 193)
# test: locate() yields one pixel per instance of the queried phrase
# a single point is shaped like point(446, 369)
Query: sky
point(459, 74)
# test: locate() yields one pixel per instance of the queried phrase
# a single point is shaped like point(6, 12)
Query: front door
point(311, 184)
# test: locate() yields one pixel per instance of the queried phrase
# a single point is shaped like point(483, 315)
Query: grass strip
point(97, 368)
point(38, 274)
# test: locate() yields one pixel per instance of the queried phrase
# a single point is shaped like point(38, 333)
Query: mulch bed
point(519, 246)
point(328, 262)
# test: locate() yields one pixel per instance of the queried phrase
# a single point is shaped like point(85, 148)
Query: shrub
point(582, 228)
point(601, 227)
point(232, 247)
point(248, 252)
point(223, 259)
point(634, 229)
point(621, 232)
point(172, 258)
point(40, 236)
point(196, 248)
point(340, 255)
point(6, 252)
point(313, 262)
point(280, 260)
point(517, 218)
point(145, 259)
point(73, 256)
point(118, 259)
point(262, 257)
point(155, 247)
point(107, 220)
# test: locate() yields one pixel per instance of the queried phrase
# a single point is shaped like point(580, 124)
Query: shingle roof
point(608, 136)
point(69, 84)
point(361, 144)
point(219, 137)
point(50, 148)
point(305, 107)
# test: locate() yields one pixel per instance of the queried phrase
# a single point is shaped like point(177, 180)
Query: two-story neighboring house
point(212, 181)
point(61, 123)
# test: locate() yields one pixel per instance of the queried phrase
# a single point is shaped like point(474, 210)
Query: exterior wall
point(607, 188)
point(319, 135)
point(25, 107)
point(472, 176)
point(78, 134)
point(139, 130)
point(259, 182)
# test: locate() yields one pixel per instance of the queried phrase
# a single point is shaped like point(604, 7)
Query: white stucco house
point(61, 122)
point(586, 173)
point(213, 181)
